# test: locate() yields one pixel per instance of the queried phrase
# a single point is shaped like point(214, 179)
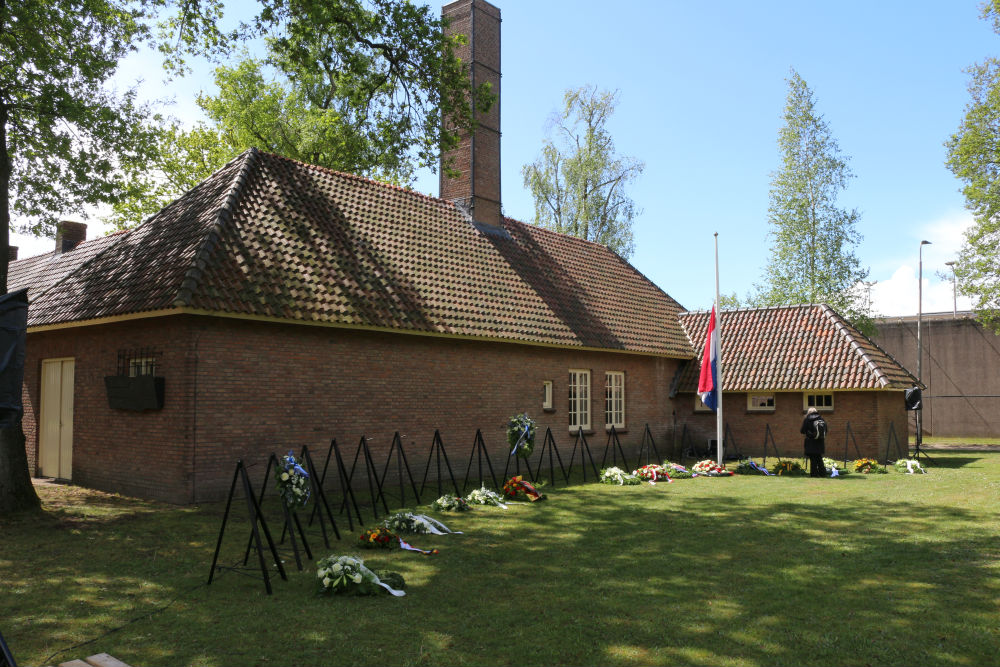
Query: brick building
point(778, 362)
point(284, 304)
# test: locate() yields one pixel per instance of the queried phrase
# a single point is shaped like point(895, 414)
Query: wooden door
point(55, 428)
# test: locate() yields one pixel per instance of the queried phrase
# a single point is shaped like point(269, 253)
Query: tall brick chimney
point(477, 156)
point(69, 235)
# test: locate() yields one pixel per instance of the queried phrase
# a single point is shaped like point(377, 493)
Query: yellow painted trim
point(331, 325)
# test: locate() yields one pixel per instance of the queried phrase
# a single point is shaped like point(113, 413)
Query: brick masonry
point(243, 389)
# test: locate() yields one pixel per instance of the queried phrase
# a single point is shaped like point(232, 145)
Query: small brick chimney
point(477, 156)
point(69, 235)
point(11, 253)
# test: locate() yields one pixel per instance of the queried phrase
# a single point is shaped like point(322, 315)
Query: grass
point(864, 570)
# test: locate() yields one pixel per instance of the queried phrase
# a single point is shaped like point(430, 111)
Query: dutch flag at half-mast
point(708, 381)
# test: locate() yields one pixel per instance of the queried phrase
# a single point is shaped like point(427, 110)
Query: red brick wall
point(242, 389)
point(145, 454)
point(869, 413)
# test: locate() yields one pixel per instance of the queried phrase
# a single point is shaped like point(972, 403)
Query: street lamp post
point(920, 348)
point(954, 291)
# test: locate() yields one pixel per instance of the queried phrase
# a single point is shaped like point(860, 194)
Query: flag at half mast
point(708, 381)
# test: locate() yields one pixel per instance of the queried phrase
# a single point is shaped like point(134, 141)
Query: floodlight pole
point(920, 347)
point(954, 291)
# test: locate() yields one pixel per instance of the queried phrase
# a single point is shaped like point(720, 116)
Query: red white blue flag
point(708, 381)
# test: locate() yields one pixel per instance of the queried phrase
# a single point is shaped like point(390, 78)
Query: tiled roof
point(40, 272)
point(792, 348)
point(271, 237)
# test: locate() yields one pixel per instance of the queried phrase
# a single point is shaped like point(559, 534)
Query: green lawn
point(864, 570)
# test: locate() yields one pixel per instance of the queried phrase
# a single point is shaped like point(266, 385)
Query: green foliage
point(578, 182)
point(370, 88)
point(972, 157)
point(812, 253)
point(65, 134)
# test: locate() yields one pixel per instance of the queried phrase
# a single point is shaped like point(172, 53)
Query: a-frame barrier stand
point(893, 439)
point(549, 447)
point(769, 438)
point(396, 448)
point(291, 520)
point(345, 485)
point(257, 525)
point(6, 657)
point(517, 467)
point(436, 454)
point(374, 484)
point(581, 442)
point(848, 439)
point(728, 438)
point(615, 451)
point(647, 447)
point(479, 450)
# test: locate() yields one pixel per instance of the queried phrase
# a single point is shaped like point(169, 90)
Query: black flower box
point(142, 392)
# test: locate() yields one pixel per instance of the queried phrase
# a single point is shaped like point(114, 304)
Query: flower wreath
point(677, 471)
point(750, 467)
point(378, 538)
point(615, 475)
point(910, 467)
point(787, 468)
point(517, 487)
point(868, 466)
point(652, 473)
point(521, 435)
point(450, 503)
point(347, 575)
point(419, 524)
point(484, 496)
point(292, 481)
point(710, 468)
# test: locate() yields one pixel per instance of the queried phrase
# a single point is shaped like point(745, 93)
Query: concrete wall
point(961, 368)
point(239, 389)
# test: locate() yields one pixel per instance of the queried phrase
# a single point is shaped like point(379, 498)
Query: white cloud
point(897, 294)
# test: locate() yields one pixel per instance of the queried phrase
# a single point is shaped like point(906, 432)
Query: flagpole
point(718, 363)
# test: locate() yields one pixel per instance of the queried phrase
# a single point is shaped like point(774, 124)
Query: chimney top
point(12, 253)
point(70, 234)
point(477, 156)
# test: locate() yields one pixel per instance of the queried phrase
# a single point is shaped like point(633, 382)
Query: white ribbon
point(433, 526)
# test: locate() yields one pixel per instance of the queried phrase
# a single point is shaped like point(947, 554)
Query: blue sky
point(702, 87)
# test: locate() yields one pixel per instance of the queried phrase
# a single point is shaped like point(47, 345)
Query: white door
point(55, 427)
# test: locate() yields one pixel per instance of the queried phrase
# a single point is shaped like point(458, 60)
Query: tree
point(372, 91)
point(68, 142)
point(812, 258)
point(974, 157)
point(578, 182)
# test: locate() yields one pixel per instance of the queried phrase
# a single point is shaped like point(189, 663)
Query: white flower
point(326, 582)
point(357, 578)
point(321, 573)
point(284, 477)
point(337, 568)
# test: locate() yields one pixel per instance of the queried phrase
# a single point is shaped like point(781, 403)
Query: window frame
point(699, 405)
point(547, 395)
point(769, 396)
point(610, 410)
point(579, 405)
point(142, 366)
point(819, 408)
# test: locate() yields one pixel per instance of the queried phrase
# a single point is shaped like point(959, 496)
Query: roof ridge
point(192, 278)
point(355, 177)
point(846, 329)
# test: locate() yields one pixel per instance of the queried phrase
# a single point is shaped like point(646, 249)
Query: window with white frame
point(760, 402)
point(822, 402)
point(547, 395)
point(614, 399)
point(579, 400)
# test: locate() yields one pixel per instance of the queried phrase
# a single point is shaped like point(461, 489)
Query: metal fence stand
point(517, 467)
point(848, 439)
point(479, 448)
point(549, 445)
point(727, 438)
point(374, 485)
point(581, 440)
point(893, 439)
point(6, 657)
point(769, 437)
point(647, 446)
point(319, 498)
point(401, 463)
point(287, 528)
point(345, 485)
point(436, 453)
point(617, 449)
point(257, 524)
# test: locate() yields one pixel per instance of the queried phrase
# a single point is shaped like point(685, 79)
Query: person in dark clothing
point(815, 443)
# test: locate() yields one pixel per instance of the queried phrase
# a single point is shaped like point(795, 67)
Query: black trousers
point(816, 468)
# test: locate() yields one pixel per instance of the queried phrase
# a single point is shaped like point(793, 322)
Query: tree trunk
point(16, 491)
point(17, 494)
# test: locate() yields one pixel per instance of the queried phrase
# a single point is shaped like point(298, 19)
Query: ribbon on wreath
point(523, 439)
point(758, 468)
point(378, 581)
point(433, 526)
point(408, 547)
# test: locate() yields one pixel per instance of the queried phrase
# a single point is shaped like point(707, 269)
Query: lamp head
point(925, 243)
